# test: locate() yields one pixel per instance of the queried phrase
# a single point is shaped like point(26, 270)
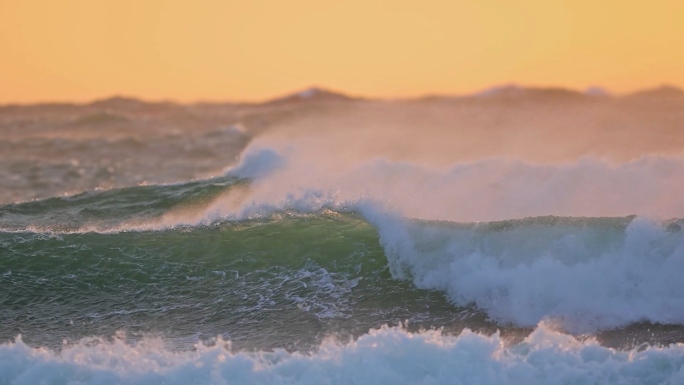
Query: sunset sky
point(77, 50)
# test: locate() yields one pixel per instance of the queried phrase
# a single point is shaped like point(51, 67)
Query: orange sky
point(183, 50)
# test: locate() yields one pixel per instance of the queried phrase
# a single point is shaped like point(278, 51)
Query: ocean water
point(341, 242)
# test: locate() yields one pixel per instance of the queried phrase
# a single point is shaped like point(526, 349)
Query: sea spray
point(483, 190)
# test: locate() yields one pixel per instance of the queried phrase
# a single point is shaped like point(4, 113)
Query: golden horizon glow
point(79, 50)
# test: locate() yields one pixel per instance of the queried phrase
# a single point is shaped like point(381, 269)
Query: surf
point(385, 355)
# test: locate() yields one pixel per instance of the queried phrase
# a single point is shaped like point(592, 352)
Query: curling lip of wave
point(257, 164)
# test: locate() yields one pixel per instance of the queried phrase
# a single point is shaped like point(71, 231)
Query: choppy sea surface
point(341, 241)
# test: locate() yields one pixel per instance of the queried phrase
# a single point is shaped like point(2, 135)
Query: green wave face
point(284, 282)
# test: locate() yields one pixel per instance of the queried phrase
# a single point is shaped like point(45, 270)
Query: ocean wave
point(585, 274)
point(386, 355)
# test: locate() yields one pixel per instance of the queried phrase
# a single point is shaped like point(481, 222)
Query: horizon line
point(595, 90)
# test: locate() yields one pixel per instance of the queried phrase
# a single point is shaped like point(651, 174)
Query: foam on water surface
point(389, 355)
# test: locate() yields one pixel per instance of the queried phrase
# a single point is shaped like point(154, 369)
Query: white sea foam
point(384, 356)
point(584, 277)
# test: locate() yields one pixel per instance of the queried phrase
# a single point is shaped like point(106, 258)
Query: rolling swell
point(100, 210)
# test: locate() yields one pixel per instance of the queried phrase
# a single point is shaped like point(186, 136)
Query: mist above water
point(508, 153)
